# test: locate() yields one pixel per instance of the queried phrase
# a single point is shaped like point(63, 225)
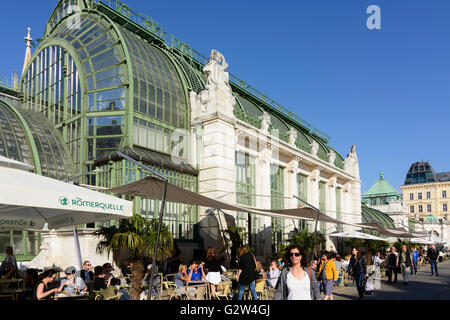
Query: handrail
point(7, 83)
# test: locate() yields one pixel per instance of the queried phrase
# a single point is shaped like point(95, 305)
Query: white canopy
point(355, 234)
point(6, 162)
point(28, 201)
point(421, 241)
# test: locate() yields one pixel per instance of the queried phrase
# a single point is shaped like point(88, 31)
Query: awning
point(28, 201)
point(421, 241)
point(356, 235)
point(152, 188)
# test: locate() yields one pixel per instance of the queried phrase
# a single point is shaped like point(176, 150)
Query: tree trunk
point(137, 271)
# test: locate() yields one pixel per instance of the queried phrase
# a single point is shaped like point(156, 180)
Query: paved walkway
point(421, 287)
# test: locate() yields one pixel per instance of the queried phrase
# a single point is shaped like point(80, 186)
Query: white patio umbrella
point(421, 241)
point(28, 201)
point(6, 162)
point(355, 234)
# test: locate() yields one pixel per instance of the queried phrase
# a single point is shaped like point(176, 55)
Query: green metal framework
point(373, 215)
point(179, 217)
point(192, 62)
point(28, 137)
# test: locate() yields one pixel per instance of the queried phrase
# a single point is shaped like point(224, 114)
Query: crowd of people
point(44, 285)
point(290, 277)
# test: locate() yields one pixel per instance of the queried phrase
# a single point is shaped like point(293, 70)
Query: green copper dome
point(381, 192)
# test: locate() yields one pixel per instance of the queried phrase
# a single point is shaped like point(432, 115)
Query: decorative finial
point(28, 41)
point(381, 175)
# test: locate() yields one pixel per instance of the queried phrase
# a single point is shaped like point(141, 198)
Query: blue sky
point(387, 91)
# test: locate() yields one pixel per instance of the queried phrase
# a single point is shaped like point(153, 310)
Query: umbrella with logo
point(28, 201)
point(355, 234)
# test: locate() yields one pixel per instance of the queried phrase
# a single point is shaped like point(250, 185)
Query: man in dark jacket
point(86, 274)
point(391, 264)
point(433, 255)
point(405, 261)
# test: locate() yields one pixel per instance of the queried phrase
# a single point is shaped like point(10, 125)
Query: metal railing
point(157, 30)
point(7, 83)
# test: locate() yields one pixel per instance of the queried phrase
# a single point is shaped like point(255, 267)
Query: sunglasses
point(297, 254)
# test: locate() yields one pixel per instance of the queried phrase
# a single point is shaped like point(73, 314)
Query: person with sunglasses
point(87, 273)
point(297, 280)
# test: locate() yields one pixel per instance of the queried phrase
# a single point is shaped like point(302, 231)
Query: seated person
point(11, 272)
point(127, 268)
point(101, 282)
point(43, 291)
point(261, 273)
point(273, 274)
point(108, 270)
point(87, 273)
point(71, 281)
point(30, 281)
point(196, 272)
point(180, 281)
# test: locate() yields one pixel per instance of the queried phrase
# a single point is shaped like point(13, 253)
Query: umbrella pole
point(161, 213)
point(77, 247)
point(315, 227)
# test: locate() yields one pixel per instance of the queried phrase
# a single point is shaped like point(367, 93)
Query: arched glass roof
point(13, 140)
point(101, 54)
point(158, 88)
point(373, 215)
point(53, 156)
point(16, 142)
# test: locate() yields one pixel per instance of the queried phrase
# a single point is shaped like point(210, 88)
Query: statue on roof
point(314, 147)
point(351, 165)
point(331, 157)
point(218, 95)
point(265, 122)
point(292, 136)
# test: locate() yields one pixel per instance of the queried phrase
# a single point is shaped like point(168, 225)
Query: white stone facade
point(216, 135)
point(224, 135)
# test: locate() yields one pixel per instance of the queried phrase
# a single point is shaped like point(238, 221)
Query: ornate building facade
point(426, 195)
point(107, 78)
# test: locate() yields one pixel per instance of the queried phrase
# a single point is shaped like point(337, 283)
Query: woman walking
point(213, 269)
point(246, 275)
point(359, 270)
point(328, 275)
point(297, 280)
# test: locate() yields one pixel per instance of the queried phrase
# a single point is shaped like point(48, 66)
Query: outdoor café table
point(70, 296)
point(202, 288)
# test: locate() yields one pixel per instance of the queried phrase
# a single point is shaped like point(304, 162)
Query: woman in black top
point(213, 269)
point(246, 272)
point(43, 292)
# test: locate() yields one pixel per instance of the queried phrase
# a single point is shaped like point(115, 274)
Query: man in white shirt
point(71, 282)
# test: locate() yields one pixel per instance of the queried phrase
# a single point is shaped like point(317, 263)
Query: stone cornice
point(295, 152)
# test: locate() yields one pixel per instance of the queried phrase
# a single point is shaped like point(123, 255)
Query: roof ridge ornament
point(28, 41)
point(218, 95)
